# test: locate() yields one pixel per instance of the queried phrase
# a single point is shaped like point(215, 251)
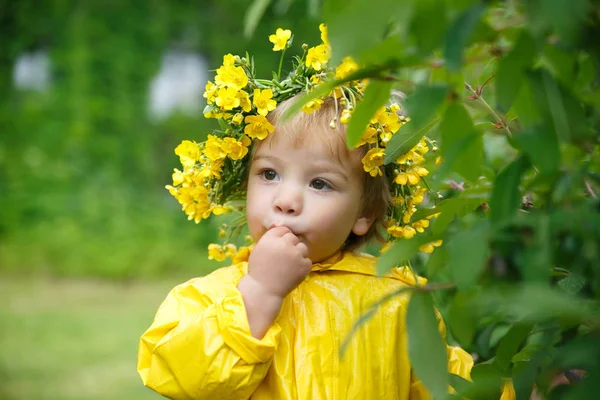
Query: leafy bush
point(510, 90)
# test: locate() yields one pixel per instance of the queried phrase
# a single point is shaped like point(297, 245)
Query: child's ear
point(362, 225)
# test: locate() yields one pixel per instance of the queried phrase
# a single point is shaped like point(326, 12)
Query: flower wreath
point(212, 178)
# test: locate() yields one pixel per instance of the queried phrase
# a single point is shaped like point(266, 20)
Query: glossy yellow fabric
point(200, 347)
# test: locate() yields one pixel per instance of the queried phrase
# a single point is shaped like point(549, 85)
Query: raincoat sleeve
point(200, 346)
point(459, 363)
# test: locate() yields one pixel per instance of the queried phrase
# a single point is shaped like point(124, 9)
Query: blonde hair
point(376, 198)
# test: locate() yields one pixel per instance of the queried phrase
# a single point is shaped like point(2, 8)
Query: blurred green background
point(95, 95)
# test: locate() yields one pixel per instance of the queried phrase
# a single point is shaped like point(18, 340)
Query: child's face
point(314, 189)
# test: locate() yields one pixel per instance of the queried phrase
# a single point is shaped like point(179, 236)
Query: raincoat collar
point(358, 263)
point(365, 264)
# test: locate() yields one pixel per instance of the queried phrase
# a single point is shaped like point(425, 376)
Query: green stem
point(280, 64)
point(478, 96)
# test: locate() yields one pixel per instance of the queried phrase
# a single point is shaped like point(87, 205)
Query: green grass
point(64, 339)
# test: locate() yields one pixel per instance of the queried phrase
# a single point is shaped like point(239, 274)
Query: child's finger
point(302, 248)
point(278, 231)
point(291, 238)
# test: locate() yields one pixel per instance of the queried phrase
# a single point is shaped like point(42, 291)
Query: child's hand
point(278, 261)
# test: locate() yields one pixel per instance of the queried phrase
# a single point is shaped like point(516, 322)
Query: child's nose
point(288, 201)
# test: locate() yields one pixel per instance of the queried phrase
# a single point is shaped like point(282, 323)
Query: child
point(271, 327)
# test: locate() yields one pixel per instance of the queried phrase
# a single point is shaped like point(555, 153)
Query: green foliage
point(511, 92)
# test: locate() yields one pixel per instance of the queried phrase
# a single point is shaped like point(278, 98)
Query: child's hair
point(376, 198)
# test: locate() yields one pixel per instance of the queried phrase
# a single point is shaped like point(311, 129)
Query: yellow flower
point(194, 202)
point(409, 232)
point(230, 76)
point(212, 169)
point(389, 121)
point(280, 39)
point(372, 161)
point(227, 98)
point(228, 60)
point(323, 29)
point(213, 114)
point(238, 118)
point(219, 210)
point(421, 171)
point(311, 106)
point(418, 195)
point(258, 127)
point(213, 149)
point(421, 147)
point(394, 107)
point(395, 231)
point(421, 225)
point(385, 137)
point(234, 149)
point(215, 252)
point(188, 153)
point(370, 136)
point(345, 117)
point(230, 250)
point(429, 247)
point(317, 57)
point(379, 114)
point(411, 177)
point(243, 254)
point(385, 247)
point(347, 67)
point(263, 101)
point(210, 91)
point(178, 177)
point(244, 101)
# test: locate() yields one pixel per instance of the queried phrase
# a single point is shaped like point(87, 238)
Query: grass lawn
point(64, 339)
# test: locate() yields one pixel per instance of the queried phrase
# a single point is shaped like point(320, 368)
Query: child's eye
point(320, 184)
point(269, 174)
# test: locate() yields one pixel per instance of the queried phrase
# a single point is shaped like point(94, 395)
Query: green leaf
point(428, 24)
point(327, 87)
point(510, 344)
point(421, 107)
point(557, 106)
point(506, 197)
point(535, 261)
point(468, 252)
point(456, 125)
point(390, 48)
point(401, 251)
point(541, 145)
point(525, 107)
point(461, 317)
point(341, 14)
point(253, 15)
point(376, 95)
point(565, 17)
point(437, 260)
point(450, 209)
point(459, 34)
point(426, 347)
point(572, 284)
point(487, 382)
point(510, 74)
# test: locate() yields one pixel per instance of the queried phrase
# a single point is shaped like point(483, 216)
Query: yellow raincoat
point(200, 346)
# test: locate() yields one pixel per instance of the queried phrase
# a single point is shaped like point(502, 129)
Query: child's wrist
point(249, 286)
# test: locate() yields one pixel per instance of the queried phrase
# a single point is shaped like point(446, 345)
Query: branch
point(477, 96)
point(589, 189)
